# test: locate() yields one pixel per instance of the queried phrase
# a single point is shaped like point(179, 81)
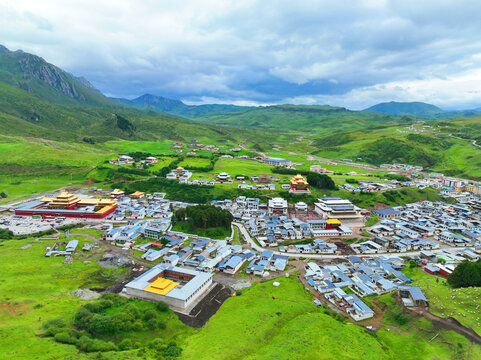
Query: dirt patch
point(13, 308)
point(207, 307)
point(86, 294)
point(449, 324)
point(344, 248)
point(45, 141)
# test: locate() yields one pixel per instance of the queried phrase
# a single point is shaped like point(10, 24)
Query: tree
point(466, 274)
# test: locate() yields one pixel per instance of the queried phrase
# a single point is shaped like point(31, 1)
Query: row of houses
point(345, 284)
point(423, 226)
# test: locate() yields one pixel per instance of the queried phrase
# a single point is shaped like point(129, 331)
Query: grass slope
point(312, 119)
point(427, 147)
point(461, 304)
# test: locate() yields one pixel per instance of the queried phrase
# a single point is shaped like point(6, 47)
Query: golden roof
point(161, 286)
point(180, 168)
point(299, 180)
point(137, 194)
point(333, 222)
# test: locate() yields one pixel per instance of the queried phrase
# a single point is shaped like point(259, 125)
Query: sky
point(345, 53)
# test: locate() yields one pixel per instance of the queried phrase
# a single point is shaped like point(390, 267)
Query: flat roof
point(180, 293)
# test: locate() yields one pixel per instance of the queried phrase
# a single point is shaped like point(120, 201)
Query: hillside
point(420, 110)
point(431, 146)
point(34, 75)
point(177, 107)
point(303, 118)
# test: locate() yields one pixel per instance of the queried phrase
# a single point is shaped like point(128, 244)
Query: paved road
point(258, 248)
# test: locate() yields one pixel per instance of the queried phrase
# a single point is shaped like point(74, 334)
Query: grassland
point(429, 147)
point(268, 322)
point(35, 289)
point(461, 304)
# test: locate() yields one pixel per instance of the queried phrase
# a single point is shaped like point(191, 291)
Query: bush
point(162, 306)
point(466, 274)
point(150, 314)
point(172, 350)
point(126, 344)
point(82, 317)
point(65, 338)
point(400, 318)
point(54, 326)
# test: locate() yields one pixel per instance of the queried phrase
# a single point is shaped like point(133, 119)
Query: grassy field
point(241, 167)
point(194, 161)
point(268, 322)
point(35, 289)
point(461, 304)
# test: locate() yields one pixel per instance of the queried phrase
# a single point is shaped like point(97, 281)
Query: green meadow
point(462, 304)
point(267, 322)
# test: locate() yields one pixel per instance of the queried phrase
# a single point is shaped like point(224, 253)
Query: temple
point(299, 185)
point(68, 205)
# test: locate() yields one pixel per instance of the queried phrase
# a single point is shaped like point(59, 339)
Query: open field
point(35, 289)
point(241, 167)
point(194, 161)
point(266, 322)
point(462, 304)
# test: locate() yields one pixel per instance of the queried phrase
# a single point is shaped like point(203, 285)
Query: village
point(341, 258)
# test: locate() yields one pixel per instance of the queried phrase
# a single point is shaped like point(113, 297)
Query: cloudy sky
point(348, 53)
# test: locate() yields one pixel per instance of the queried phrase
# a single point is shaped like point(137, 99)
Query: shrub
point(162, 306)
point(65, 338)
point(172, 350)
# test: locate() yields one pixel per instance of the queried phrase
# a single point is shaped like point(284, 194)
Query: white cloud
point(341, 52)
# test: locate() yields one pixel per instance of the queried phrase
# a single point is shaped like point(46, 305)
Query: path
point(450, 324)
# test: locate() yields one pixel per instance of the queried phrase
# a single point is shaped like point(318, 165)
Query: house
point(412, 296)
point(388, 213)
point(334, 207)
point(274, 161)
point(233, 264)
point(277, 206)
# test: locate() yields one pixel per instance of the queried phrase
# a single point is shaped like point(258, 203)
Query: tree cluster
point(204, 216)
point(111, 323)
point(320, 181)
point(466, 274)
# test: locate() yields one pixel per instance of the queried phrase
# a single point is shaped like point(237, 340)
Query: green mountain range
point(177, 107)
point(420, 110)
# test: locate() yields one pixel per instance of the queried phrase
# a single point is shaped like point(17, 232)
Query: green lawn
point(195, 161)
point(462, 304)
point(241, 167)
point(34, 289)
point(268, 322)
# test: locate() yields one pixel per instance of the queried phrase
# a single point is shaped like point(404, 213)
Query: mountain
point(33, 74)
point(177, 107)
point(405, 108)
point(420, 110)
point(308, 119)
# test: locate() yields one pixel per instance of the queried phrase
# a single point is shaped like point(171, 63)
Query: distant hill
point(405, 108)
point(177, 107)
point(313, 119)
point(420, 110)
point(34, 75)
